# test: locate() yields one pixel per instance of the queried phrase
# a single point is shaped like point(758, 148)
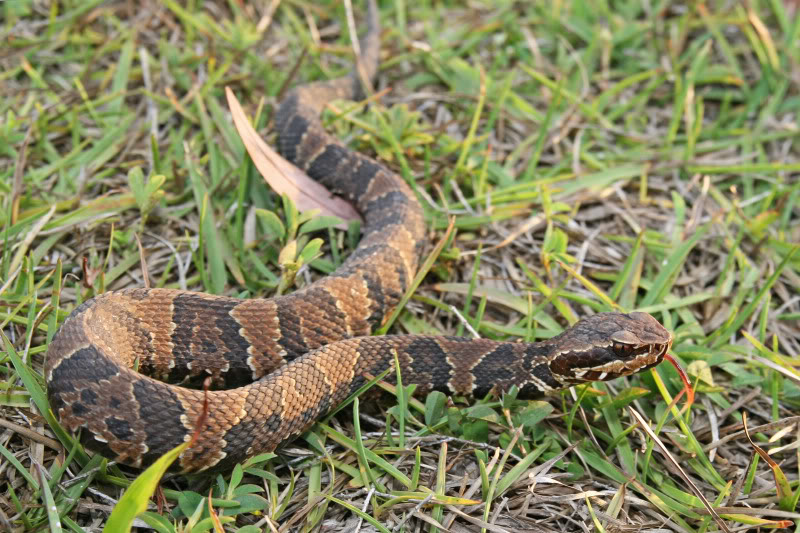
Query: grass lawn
point(594, 156)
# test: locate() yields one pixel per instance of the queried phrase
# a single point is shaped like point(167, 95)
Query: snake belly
point(283, 362)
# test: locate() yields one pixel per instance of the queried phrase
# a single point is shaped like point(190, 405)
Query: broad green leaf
point(135, 499)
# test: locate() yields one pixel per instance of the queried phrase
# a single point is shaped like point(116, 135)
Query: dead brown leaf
point(282, 176)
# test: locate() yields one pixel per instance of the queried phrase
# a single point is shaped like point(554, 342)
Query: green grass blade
point(135, 499)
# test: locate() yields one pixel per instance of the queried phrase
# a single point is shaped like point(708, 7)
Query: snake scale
point(278, 364)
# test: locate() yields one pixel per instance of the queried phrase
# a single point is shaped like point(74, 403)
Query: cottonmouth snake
point(302, 353)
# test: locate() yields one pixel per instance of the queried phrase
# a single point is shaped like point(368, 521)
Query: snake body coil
point(302, 353)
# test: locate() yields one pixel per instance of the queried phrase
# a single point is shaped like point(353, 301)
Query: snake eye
point(622, 349)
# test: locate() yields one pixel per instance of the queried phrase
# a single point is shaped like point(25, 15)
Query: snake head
point(606, 346)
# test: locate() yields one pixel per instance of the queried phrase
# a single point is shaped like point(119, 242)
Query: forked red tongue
point(687, 386)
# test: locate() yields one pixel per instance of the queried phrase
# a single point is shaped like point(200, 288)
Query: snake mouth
point(635, 359)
